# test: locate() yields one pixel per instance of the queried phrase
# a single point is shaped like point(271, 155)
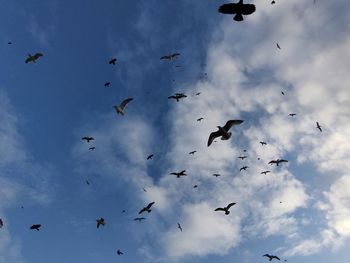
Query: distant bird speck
point(179, 174)
point(149, 157)
point(100, 222)
point(193, 152)
point(36, 227)
point(33, 58)
point(170, 56)
point(112, 61)
point(318, 126)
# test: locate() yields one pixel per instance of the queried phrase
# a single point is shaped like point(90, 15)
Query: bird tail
point(238, 17)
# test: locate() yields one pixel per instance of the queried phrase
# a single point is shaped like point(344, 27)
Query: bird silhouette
point(243, 168)
point(198, 93)
point(147, 208)
point(112, 61)
point(216, 175)
point(120, 109)
point(223, 132)
point(100, 222)
point(195, 186)
point(139, 219)
point(179, 226)
point(88, 138)
point(178, 175)
point(199, 119)
point(149, 157)
point(271, 257)
point(273, 2)
point(263, 143)
point(282, 92)
point(119, 252)
point(87, 182)
point(107, 84)
point(318, 126)
point(292, 114)
point(1, 223)
point(92, 148)
point(278, 161)
point(177, 96)
point(193, 152)
point(36, 227)
point(238, 9)
point(265, 172)
point(225, 209)
point(33, 58)
point(170, 56)
point(242, 157)
point(278, 46)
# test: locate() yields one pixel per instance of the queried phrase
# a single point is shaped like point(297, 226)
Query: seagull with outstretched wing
point(120, 109)
point(238, 9)
point(170, 56)
point(278, 161)
point(88, 138)
point(265, 172)
point(318, 126)
point(179, 174)
point(33, 58)
point(36, 227)
point(271, 257)
point(225, 209)
point(223, 132)
point(100, 222)
point(147, 208)
point(112, 61)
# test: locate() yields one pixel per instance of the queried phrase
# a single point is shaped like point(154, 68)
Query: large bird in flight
point(88, 138)
point(177, 96)
point(120, 109)
point(278, 161)
point(318, 126)
point(265, 172)
point(112, 61)
point(179, 226)
point(36, 227)
point(170, 56)
point(33, 58)
point(271, 257)
point(225, 209)
point(178, 175)
point(223, 132)
point(100, 222)
point(147, 208)
point(238, 9)
point(1, 223)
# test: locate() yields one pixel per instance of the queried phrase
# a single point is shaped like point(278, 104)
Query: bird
point(318, 126)
point(147, 208)
point(9, 43)
point(223, 132)
point(92, 148)
point(139, 219)
point(177, 96)
point(198, 93)
point(87, 182)
point(271, 257)
point(292, 114)
point(216, 175)
point(120, 109)
point(265, 172)
point(1, 223)
point(225, 209)
point(112, 61)
point(282, 93)
point(278, 161)
point(193, 152)
point(195, 186)
point(88, 138)
point(107, 84)
point(119, 252)
point(33, 58)
point(149, 157)
point(263, 143)
point(144, 189)
point(278, 46)
point(243, 168)
point(36, 227)
point(179, 226)
point(100, 222)
point(238, 9)
point(170, 56)
point(178, 175)
point(273, 2)
point(199, 119)
point(242, 157)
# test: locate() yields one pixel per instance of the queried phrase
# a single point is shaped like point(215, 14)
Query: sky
point(300, 211)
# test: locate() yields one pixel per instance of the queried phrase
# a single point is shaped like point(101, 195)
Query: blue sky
point(46, 107)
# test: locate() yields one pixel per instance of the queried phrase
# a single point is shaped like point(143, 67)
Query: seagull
point(278, 46)
point(238, 9)
point(273, 2)
point(193, 152)
point(225, 209)
point(216, 175)
point(318, 126)
point(144, 189)
point(139, 219)
point(170, 56)
point(278, 161)
point(178, 175)
point(33, 58)
point(195, 186)
point(36, 227)
point(9, 43)
point(271, 257)
point(92, 148)
point(282, 92)
point(119, 252)
point(147, 208)
point(265, 172)
point(263, 143)
point(100, 222)
point(112, 61)
point(199, 119)
point(149, 157)
point(177, 96)
point(1, 223)
point(292, 114)
point(88, 138)
point(223, 132)
point(120, 109)
point(179, 226)
point(198, 93)
point(243, 168)
point(242, 157)
point(107, 84)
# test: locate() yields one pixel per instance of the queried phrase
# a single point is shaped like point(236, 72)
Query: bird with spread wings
point(223, 132)
point(120, 109)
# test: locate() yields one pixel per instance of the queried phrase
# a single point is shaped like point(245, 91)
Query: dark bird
point(271, 257)
point(278, 46)
point(178, 175)
point(88, 138)
point(223, 132)
point(243, 168)
point(318, 126)
point(265, 172)
point(107, 84)
point(179, 226)
point(120, 109)
point(282, 92)
point(242, 157)
point(216, 175)
point(87, 182)
point(100, 222)
point(112, 61)
point(92, 148)
point(149, 157)
point(238, 9)
point(199, 119)
point(263, 143)
point(147, 208)
point(1, 223)
point(36, 227)
point(225, 209)
point(198, 93)
point(278, 161)
point(273, 2)
point(292, 114)
point(170, 56)
point(33, 58)
point(139, 219)
point(119, 252)
point(195, 186)
point(193, 152)
point(9, 43)
point(144, 189)
point(177, 96)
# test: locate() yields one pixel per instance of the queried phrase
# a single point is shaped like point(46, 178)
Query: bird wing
point(142, 210)
point(165, 57)
point(175, 55)
point(272, 162)
point(276, 257)
point(125, 102)
point(150, 205)
point(283, 161)
point(219, 209)
point(229, 205)
point(212, 136)
point(29, 59)
point(38, 55)
point(228, 8)
point(230, 123)
point(247, 9)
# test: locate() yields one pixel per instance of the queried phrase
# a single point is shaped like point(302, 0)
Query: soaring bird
point(193, 152)
point(147, 208)
point(225, 209)
point(198, 93)
point(223, 132)
point(242, 157)
point(120, 109)
point(318, 126)
point(139, 219)
point(263, 143)
point(199, 119)
point(178, 175)
point(112, 61)
point(1, 223)
point(33, 58)
point(282, 93)
point(92, 148)
point(170, 56)
point(278, 161)
point(36, 227)
point(265, 172)
point(119, 252)
point(149, 157)
point(216, 175)
point(195, 186)
point(107, 84)
point(243, 168)
point(179, 226)
point(100, 222)
point(278, 46)
point(271, 257)
point(273, 2)
point(238, 9)
point(88, 138)
point(292, 114)
point(177, 96)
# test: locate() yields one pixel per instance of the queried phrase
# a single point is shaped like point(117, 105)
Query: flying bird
point(282, 93)
point(195, 186)
point(139, 219)
point(273, 2)
point(147, 208)
point(88, 138)
point(87, 182)
point(170, 56)
point(177, 96)
point(107, 84)
point(119, 252)
point(216, 175)
point(278, 161)
point(278, 46)
point(36, 227)
point(271, 257)
point(243, 168)
point(149, 157)
point(198, 93)
point(318, 126)
point(178, 175)
point(1, 223)
point(112, 61)
point(263, 143)
point(242, 157)
point(193, 152)
point(33, 58)
point(100, 222)
point(292, 114)
point(144, 189)
point(92, 148)
point(225, 209)
point(238, 9)
point(179, 226)
point(223, 132)
point(199, 119)
point(120, 109)
point(265, 172)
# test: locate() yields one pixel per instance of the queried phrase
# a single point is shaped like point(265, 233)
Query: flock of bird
point(238, 10)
